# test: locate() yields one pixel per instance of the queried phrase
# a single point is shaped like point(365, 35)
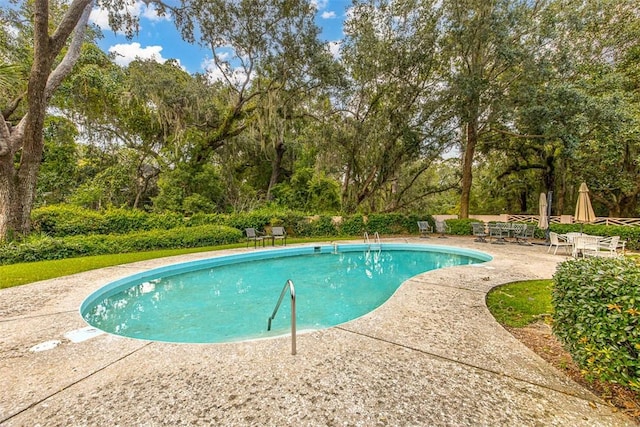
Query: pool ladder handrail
point(292, 291)
point(376, 238)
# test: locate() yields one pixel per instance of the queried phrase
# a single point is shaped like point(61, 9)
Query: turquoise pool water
point(230, 298)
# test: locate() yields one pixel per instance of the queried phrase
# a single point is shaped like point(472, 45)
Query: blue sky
point(159, 39)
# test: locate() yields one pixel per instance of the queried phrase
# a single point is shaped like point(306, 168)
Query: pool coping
point(431, 355)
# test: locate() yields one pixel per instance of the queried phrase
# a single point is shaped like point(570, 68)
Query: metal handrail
point(376, 238)
point(292, 291)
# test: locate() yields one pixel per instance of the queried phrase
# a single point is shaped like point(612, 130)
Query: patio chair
point(479, 232)
point(586, 245)
point(499, 232)
point(255, 236)
point(525, 233)
point(608, 246)
point(425, 228)
point(279, 233)
point(558, 241)
point(442, 228)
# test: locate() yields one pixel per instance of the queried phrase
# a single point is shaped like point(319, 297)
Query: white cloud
point(125, 53)
point(150, 13)
point(100, 17)
point(328, 15)
point(319, 4)
point(334, 48)
point(237, 76)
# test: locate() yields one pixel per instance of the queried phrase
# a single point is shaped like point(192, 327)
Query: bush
point(122, 221)
point(598, 318)
point(66, 220)
point(461, 227)
point(69, 220)
point(393, 223)
point(352, 226)
point(47, 248)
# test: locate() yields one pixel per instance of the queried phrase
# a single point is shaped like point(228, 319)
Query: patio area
point(431, 355)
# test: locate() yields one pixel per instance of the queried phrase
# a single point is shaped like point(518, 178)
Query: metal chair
point(479, 232)
point(499, 232)
point(279, 233)
point(442, 228)
point(255, 236)
point(425, 228)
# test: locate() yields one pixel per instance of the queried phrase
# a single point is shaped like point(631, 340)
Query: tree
point(58, 174)
point(484, 45)
point(387, 123)
point(54, 35)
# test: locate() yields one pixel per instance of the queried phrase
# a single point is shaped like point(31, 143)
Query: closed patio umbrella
point(543, 220)
point(584, 210)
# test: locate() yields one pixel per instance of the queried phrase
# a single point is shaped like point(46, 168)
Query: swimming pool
point(230, 298)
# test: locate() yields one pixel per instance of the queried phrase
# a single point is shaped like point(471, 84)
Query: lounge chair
point(442, 228)
point(425, 228)
point(479, 232)
point(279, 233)
point(255, 236)
point(558, 241)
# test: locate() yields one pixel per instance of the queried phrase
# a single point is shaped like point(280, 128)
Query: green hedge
point(70, 220)
point(47, 248)
point(461, 227)
point(597, 315)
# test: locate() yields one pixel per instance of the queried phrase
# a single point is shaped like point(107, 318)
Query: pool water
point(230, 298)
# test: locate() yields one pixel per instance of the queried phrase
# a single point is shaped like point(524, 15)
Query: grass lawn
point(521, 303)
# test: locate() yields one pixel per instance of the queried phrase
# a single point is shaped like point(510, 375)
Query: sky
point(159, 39)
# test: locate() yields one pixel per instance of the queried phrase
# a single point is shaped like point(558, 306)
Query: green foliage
point(324, 194)
point(121, 221)
point(66, 220)
point(521, 303)
point(352, 225)
point(70, 220)
point(57, 176)
point(189, 189)
point(394, 223)
point(48, 248)
point(461, 227)
point(597, 316)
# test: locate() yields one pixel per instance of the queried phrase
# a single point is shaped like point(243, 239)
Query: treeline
point(430, 106)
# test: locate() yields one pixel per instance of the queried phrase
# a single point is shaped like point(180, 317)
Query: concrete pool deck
point(431, 355)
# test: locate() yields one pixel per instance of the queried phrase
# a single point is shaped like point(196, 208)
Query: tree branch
point(73, 53)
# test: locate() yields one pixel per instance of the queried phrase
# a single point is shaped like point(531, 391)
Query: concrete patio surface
point(430, 356)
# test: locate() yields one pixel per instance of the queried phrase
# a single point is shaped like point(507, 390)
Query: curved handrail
point(292, 291)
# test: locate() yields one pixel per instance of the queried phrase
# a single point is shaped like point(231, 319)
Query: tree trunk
point(276, 166)
point(9, 220)
point(18, 177)
point(467, 166)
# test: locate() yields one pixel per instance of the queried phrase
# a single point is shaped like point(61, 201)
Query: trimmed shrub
point(392, 223)
point(461, 227)
point(352, 226)
point(47, 248)
point(66, 220)
point(597, 316)
point(122, 221)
